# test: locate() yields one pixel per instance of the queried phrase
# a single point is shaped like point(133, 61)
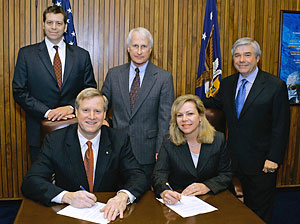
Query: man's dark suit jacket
point(116, 166)
point(149, 120)
point(35, 86)
point(175, 166)
point(261, 132)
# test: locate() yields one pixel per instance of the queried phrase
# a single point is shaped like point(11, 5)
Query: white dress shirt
point(62, 55)
point(61, 52)
point(95, 146)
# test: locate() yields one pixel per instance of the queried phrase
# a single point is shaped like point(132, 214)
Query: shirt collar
point(250, 78)
point(141, 68)
point(50, 45)
point(82, 140)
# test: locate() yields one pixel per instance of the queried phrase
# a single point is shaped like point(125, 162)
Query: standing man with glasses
point(49, 75)
point(257, 114)
point(141, 95)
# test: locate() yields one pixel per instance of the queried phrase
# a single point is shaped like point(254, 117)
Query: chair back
point(49, 126)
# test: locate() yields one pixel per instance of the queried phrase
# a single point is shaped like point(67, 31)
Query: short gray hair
point(247, 41)
point(144, 32)
point(89, 93)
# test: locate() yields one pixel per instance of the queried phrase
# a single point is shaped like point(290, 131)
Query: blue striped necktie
point(240, 98)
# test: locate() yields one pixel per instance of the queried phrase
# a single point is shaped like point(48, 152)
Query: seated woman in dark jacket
point(194, 157)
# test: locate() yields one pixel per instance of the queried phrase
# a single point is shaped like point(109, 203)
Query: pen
point(168, 185)
point(82, 188)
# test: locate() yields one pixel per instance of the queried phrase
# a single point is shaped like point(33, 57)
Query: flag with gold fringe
point(209, 70)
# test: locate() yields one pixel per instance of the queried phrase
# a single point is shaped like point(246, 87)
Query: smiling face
point(139, 49)
point(90, 115)
point(188, 119)
point(54, 27)
point(245, 60)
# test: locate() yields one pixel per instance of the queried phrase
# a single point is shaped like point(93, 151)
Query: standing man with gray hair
point(141, 95)
point(257, 114)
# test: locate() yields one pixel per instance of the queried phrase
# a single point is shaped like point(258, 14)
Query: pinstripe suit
point(35, 86)
point(175, 165)
point(149, 120)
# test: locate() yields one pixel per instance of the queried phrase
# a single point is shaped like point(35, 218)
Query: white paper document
point(92, 214)
point(190, 206)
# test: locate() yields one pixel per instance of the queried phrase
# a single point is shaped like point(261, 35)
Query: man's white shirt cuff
point(58, 198)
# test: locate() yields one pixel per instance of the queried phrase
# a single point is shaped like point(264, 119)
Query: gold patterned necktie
point(135, 87)
point(89, 164)
point(57, 67)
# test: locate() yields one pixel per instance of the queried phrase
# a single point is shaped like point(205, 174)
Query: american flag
point(209, 71)
point(70, 36)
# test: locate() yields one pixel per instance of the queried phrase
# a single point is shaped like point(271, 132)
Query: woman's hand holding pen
point(195, 189)
point(170, 197)
point(79, 199)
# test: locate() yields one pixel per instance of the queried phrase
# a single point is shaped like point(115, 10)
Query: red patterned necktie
point(57, 67)
point(135, 87)
point(89, 164)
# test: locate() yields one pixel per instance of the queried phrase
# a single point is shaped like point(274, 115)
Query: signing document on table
point(190, 206)
point(92, 214)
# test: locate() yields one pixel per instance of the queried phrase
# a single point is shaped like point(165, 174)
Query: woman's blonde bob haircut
point(206, 130)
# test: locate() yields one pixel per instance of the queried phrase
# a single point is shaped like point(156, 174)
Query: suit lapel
point(255, 90)
point(68, 64)
point(74, 152)
point(204, 155)
point(104, 154)
point(44, 55)
point(183, 152)
point(124, 87)
point(147, 84)
point(232, 94)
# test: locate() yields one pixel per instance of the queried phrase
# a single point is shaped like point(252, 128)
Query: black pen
point(168, 185)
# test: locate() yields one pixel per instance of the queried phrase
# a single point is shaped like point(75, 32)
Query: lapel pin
point(106, 152)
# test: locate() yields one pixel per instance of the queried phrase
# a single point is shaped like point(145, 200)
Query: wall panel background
point(102, 27)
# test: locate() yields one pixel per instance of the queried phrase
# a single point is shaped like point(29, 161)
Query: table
point(148, 210)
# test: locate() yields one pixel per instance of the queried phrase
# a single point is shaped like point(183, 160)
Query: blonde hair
point(206, 131)
point(89, 93)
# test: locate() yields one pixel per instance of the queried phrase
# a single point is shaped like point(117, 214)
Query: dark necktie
point(135, 87)
point(57, 67)
point(240, 98)
point(89, 164)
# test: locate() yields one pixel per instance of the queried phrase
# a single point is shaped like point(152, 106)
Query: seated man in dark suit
point(86, 155)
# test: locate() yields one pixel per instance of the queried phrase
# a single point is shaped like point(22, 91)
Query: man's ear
point(257, 59)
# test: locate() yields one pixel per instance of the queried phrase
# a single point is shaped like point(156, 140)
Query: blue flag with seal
point(70, 36)
point(209, 70)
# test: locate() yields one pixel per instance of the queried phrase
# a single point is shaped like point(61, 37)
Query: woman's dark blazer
point(175, 166)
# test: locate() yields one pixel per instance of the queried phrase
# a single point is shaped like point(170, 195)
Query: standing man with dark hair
point(49, 75)
point(257, 114)
point(141, 95)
